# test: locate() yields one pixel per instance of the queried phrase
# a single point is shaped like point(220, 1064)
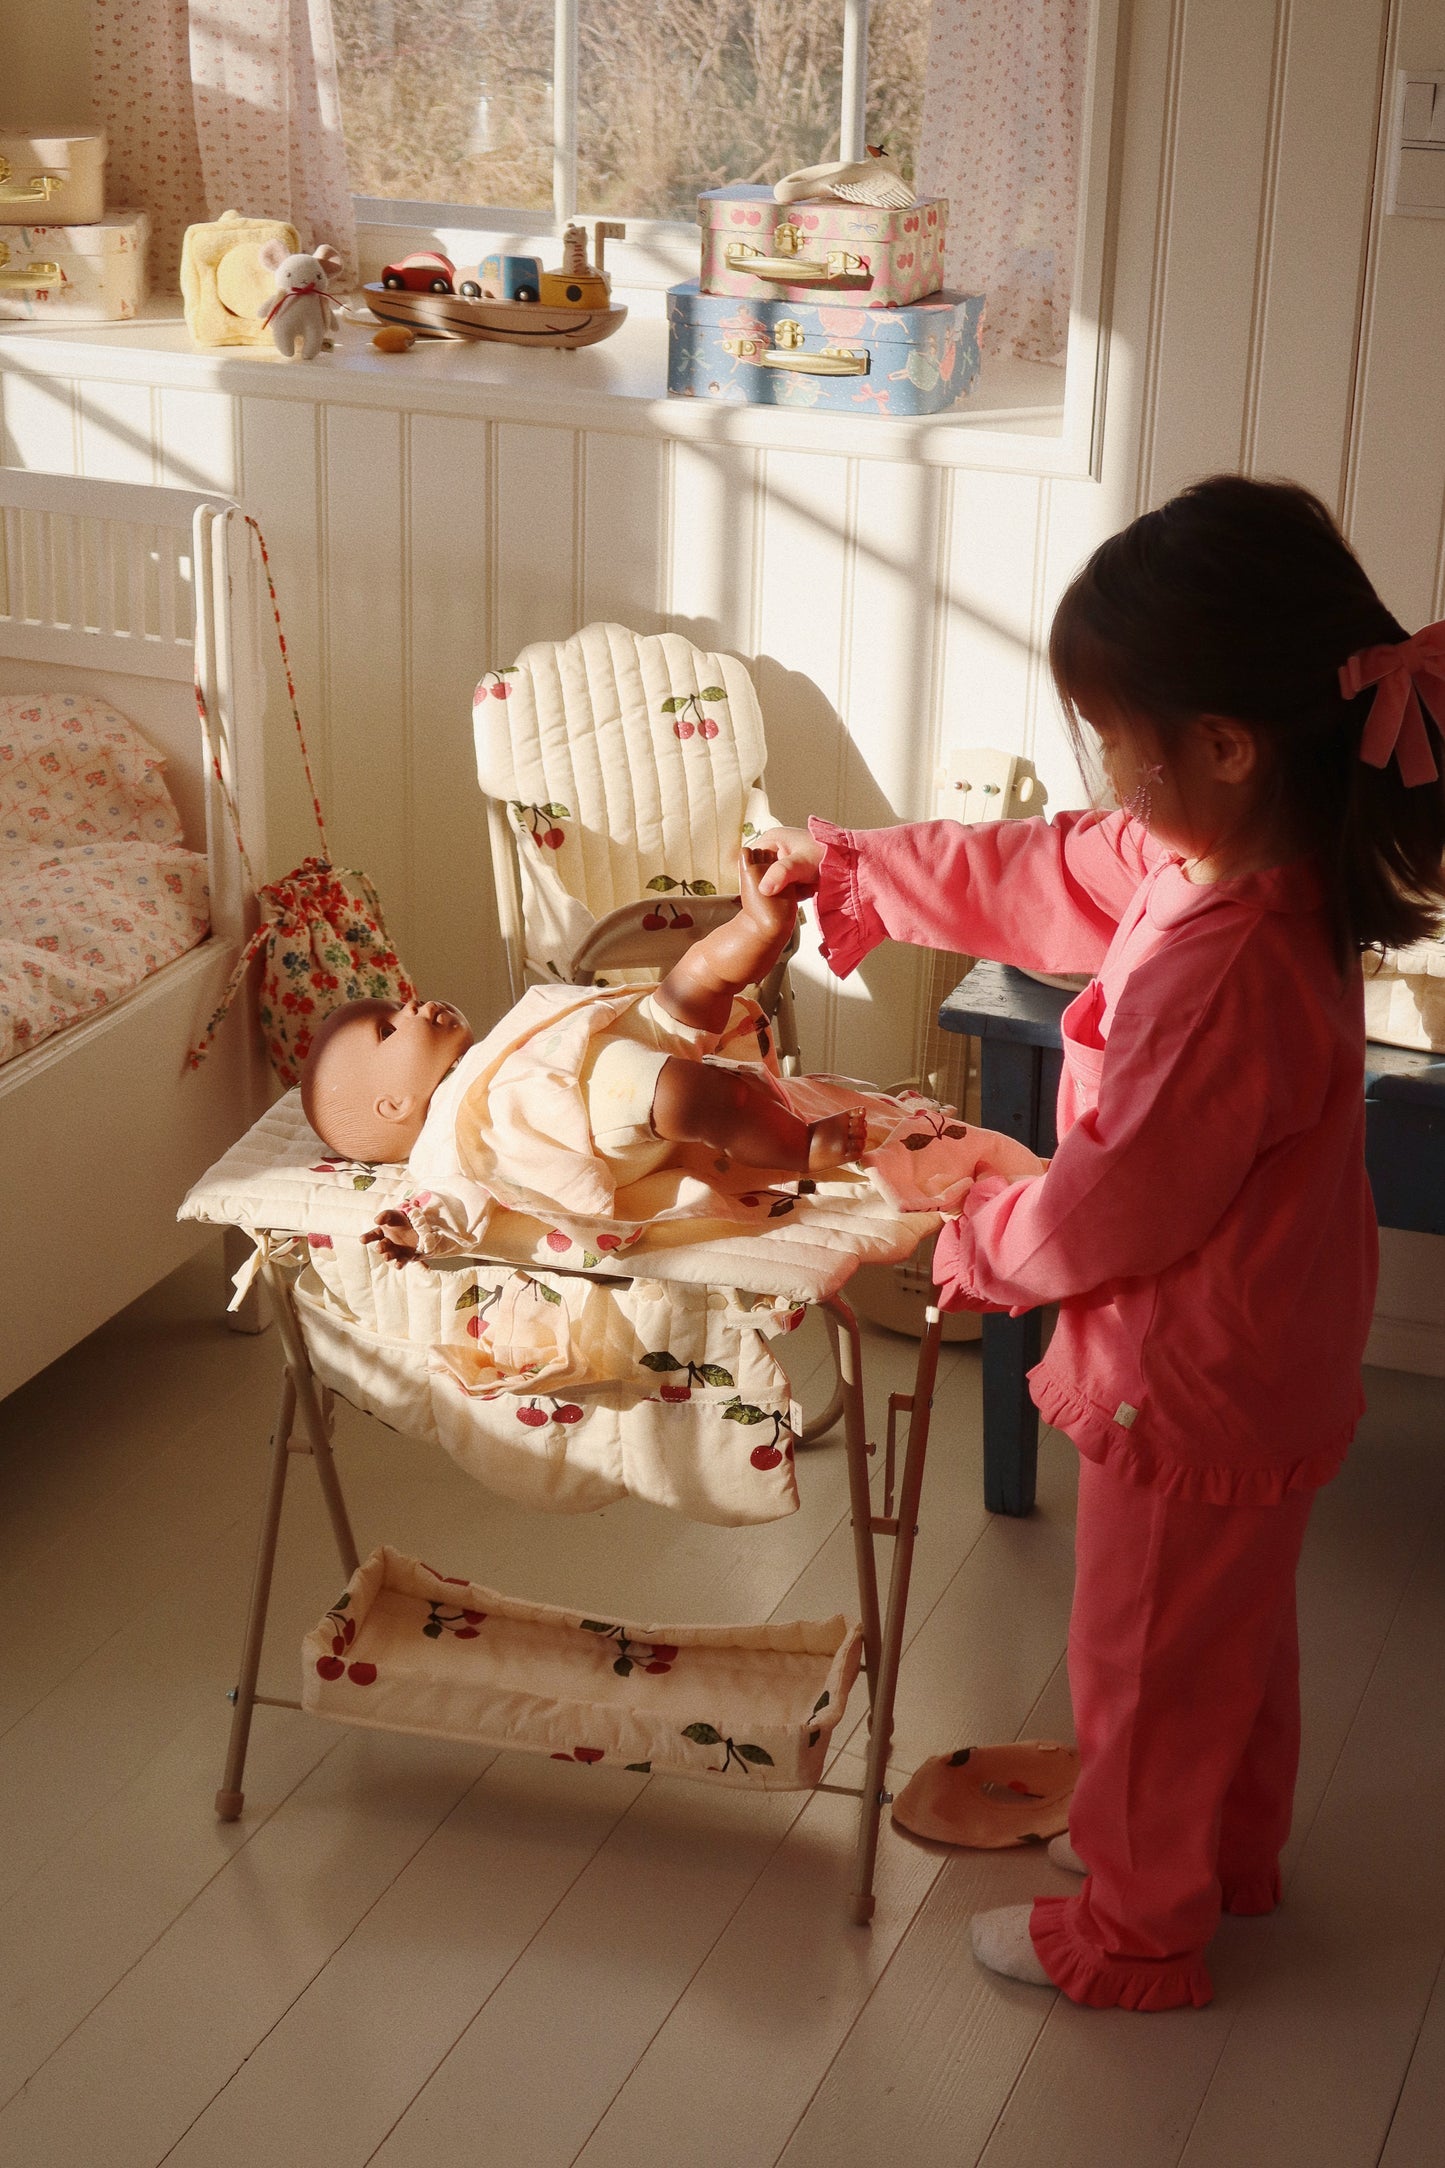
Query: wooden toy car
point(505, 278)
point(426, 271)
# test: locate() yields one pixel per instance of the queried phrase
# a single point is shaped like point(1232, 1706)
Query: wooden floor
point(408, 1952)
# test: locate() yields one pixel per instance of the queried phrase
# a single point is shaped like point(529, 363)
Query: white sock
point(1001, 1940)
point(1062, 1854)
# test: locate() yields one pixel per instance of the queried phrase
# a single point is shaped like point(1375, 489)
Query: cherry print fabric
point(1002, 111)
point(230, 106)
point(96, 887)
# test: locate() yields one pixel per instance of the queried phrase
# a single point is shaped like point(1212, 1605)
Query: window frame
point(659, 252)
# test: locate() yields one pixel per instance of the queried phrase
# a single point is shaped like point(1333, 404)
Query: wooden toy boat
point(515, 323)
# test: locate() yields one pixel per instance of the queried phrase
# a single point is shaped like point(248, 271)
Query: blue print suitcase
point(921, 359)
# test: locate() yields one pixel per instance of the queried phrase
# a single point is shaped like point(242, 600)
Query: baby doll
point(587, 1107)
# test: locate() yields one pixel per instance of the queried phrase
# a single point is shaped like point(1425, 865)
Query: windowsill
point(1013, 419)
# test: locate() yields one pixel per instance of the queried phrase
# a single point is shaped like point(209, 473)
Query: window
point(623, 107)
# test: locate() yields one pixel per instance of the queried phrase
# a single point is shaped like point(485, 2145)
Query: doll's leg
point(737, 1112)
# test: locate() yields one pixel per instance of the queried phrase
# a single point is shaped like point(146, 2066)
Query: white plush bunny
point(300, 315)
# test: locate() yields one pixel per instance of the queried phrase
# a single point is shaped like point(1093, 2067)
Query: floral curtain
point(215, 105)
point(1002, 114)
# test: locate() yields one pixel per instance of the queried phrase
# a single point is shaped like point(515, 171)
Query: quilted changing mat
point(564, 1389)
point(97, 890)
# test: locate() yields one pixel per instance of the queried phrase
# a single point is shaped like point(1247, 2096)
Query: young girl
point(1206, 1225)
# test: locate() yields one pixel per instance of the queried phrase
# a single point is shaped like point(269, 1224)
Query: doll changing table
point(408, 1647)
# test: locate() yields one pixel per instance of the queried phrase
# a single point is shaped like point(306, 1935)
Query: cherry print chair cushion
point(624, 767)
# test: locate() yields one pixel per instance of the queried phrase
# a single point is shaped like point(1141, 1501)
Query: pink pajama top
point(1206, 1225)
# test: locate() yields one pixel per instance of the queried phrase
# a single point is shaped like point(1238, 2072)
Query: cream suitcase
point(60, 178)
point(93, 274)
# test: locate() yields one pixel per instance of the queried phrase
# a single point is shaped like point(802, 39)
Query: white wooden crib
point(127, 592)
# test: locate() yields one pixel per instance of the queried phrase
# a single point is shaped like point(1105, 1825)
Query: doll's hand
point(774, 916)
point(396, 1238)
point(795, 862)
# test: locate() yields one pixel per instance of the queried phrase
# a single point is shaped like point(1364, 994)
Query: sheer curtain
point(1002, 111)
point(215, 105)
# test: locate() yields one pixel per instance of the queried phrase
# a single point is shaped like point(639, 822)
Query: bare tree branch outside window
point(450, 101)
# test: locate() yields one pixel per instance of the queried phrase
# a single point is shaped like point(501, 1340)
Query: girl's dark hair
point(1241, 598)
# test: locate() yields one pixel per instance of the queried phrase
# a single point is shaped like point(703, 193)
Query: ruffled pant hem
point(1248, 1896)
point(1086, 1976)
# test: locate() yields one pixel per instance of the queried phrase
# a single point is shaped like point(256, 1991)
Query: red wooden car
point(424, 272)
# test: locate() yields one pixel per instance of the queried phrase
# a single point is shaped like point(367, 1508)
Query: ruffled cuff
point(1087, 1976)
point(955, 1261)
point(848, 923)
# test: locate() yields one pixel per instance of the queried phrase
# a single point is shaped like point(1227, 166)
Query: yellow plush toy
point(226, 287)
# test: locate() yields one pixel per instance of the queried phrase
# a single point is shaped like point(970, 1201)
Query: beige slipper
point(990, 1796)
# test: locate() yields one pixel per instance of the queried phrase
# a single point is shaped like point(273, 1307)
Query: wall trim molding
point(1406, 1343)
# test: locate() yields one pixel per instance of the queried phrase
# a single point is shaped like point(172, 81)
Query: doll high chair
point(611, 800)
point(623, 771)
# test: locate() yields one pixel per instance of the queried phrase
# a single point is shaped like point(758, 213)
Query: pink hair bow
point(1410, 681)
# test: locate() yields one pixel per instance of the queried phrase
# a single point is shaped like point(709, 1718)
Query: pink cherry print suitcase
point(756, 249)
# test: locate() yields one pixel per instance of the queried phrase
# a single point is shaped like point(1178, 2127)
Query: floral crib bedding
point(97, 890)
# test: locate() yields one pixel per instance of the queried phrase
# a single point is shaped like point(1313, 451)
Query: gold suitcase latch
point(39, 188)
point(33, 277)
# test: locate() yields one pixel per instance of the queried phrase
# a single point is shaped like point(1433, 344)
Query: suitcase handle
point(38, 189)
point(30, 278)
point(839, 263)
point(830, 361)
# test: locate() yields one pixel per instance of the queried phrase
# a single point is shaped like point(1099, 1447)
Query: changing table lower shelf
point(409, 1649)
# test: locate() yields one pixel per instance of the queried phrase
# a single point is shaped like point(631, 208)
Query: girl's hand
point(796, 859)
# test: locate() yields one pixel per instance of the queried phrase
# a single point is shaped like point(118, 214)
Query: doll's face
point(373, 1068)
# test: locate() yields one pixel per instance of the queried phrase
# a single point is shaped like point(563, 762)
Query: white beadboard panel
point(1397, 448)
point(890, 708)
point(1212, 206)
point(368, 803)
point(713, 522)
point(889, 694)
point(117, 433)
point(196, 439)
point(280, 486)
point(803, 605)
point(624, 531)
point(452, 943)
point(1069, 532)
point(1298, 421)
point(39, 413)
point(990, 632)
point(535, 538)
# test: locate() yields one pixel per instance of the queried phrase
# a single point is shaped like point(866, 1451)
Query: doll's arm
point(700, 988)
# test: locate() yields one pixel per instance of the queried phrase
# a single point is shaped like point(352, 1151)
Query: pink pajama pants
point(1184, 1668)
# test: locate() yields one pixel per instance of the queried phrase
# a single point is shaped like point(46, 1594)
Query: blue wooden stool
point(1016, 1021)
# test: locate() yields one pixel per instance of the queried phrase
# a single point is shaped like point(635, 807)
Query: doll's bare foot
point(837, 1139)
